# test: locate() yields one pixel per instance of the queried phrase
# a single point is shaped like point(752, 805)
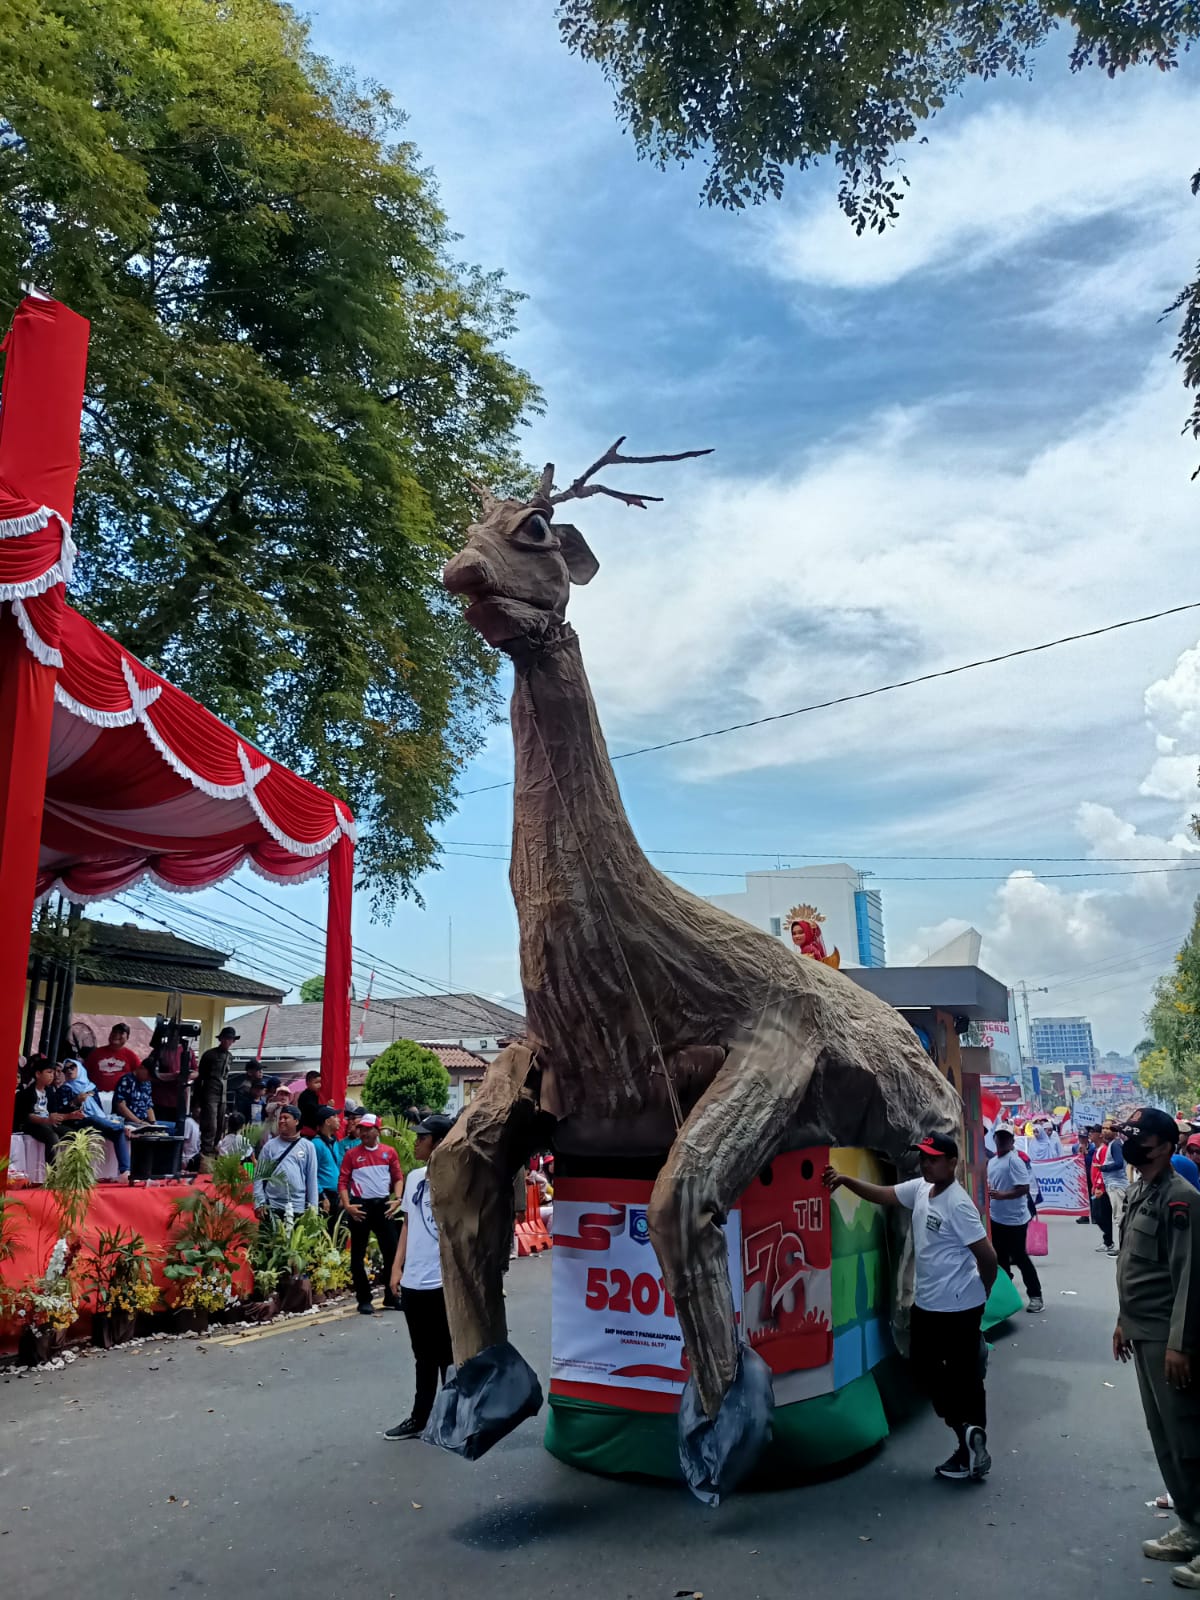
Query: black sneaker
point(365, 1308)
point(957, 1467)
point(981, 1462)
point(408, 1429)
point(390, 1303)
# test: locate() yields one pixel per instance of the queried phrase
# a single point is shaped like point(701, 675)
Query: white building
point(853, 913)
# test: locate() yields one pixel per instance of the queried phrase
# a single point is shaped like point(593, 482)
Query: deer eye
point(535, 530)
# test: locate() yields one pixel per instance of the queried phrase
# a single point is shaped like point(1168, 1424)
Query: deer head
point(518, 564)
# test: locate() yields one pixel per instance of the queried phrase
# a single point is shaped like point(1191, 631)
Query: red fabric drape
point(26, 710)
point(335, 1010)
point(40, 407)
point(112, 772)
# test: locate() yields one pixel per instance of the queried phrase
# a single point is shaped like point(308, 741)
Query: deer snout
point(468, 573)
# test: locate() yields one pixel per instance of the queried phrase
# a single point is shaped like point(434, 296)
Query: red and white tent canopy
point(108, 773)
point(144, 781)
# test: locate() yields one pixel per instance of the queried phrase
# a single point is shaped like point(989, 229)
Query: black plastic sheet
point(715, 1456)
point(482, 1401)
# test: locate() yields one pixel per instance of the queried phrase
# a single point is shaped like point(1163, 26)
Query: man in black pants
point(417, 1274)
point(1008, 1180)
point(956, 1268)
point(369, 1189)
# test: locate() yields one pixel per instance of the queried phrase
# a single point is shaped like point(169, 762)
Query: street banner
point(615, 1335)
point(1063, 1184)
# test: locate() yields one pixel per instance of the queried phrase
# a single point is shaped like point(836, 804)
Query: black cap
point(938, 1144)
point(324, 1113)
point(229, 1033)
point(1149, 1119)
point(437, 1125)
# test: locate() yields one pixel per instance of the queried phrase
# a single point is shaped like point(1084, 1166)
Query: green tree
point(290, 381)
point(1169, 1059)
point(312, 989)
point(404, 1075)
point(757, 86)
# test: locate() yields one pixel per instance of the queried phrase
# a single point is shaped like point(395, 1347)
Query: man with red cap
point(371, 1181)
point(956, 1268)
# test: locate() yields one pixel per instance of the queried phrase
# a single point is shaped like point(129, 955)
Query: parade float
point(692, 1074)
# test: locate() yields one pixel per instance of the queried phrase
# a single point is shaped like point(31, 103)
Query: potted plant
point(46, 1306)
point(117, 1269)
point(298, 1259)
point(212, 1238)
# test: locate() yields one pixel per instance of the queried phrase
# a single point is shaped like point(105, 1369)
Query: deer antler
point(581, 489)
point(487, 500)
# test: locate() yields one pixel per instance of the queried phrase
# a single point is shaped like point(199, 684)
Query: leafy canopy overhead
point(312, 989)
point(406, 1075)
point(290, 382)
point(1170, 1057)
point(756, 86)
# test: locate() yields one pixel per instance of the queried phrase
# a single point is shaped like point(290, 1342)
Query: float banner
point(616, 1338)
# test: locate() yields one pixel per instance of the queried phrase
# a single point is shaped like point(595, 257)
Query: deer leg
point(471, 1177)
point(737, 1126)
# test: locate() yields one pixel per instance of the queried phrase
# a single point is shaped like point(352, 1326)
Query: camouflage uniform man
point(1158, 1286)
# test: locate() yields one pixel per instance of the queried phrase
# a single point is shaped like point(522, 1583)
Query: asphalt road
point(259, 1468)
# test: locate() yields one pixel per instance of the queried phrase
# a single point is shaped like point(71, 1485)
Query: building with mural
point(850, 913)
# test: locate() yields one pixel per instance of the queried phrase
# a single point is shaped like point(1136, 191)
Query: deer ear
point(581, 563)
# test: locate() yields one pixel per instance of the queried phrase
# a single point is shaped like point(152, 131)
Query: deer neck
point(567, 811)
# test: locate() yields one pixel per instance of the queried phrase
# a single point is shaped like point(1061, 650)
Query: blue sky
point(955, 440)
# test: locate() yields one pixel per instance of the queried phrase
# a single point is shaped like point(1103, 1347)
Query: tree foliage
point(757, 86)
point(404, 1075)
point(290, 381)
point(1170, 1057)
point(312, 989)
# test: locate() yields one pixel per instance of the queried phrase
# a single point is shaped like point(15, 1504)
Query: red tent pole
point(335, 1010)
point(39, 458)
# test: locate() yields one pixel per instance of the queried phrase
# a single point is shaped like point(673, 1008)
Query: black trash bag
point(715, 1456)
point(481, 1401)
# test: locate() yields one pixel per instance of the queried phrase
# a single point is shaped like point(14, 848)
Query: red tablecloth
point(146, 1208)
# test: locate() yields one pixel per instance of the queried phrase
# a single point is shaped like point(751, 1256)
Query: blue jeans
point(112, 1129)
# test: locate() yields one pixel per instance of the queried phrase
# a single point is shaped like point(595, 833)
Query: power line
point(883, 688)
point(827, 855)
point(928, 877)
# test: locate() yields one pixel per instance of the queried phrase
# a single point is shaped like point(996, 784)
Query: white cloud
point(995, 182)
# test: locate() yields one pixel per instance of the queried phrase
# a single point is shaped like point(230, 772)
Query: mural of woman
point(805, 924)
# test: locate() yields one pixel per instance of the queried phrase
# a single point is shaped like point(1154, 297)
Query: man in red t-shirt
point(370, 1177)
point(108, 1063)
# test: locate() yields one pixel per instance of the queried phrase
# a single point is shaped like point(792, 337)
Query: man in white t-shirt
point(956, 1268)
point(1008, 1181)
point(417, 1276)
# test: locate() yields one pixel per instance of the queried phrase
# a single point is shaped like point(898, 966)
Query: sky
point(941, 444)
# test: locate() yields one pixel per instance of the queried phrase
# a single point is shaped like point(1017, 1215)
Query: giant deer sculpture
point(657, 1023)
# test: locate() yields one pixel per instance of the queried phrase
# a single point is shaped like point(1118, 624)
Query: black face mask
point(1139, 1148)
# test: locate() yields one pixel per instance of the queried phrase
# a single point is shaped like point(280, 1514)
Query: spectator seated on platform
point(31, 1111)
point(133, 1098)
point(108, 1063)
point(189, 1155)
point(89, 1113)
point(235, 1142)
